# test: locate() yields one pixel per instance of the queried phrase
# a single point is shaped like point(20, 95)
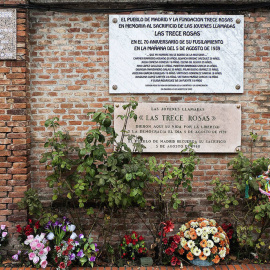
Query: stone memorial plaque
point(170, 127)
point(8, 34)
point(176, 53)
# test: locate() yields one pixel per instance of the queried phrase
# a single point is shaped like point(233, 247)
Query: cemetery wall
point(69, 77)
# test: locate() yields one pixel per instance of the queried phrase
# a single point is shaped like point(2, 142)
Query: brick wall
point(69, 77)
point(14, 127)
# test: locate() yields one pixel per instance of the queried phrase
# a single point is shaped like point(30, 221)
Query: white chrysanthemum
point(222, 236)
point(214, 230)
point(222, 253)
point(183, 242)
point(186, 234)
point(206, 252)
point(196, 251)
point(191, 244)
point(199, 231)
point(205, 236)
point(206, 222)
point(183, 228)
point(205, 230)
point(213, 222)
point(210, 243)
point(194, 224)
point(216, 239)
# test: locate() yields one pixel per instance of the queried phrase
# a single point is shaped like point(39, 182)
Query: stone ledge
point(154, 2)
point(215, 267)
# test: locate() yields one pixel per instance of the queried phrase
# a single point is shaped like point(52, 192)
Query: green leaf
point(69, 195)
point(54, 197)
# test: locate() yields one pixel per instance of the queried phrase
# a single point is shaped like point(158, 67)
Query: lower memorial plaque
point(167, 127)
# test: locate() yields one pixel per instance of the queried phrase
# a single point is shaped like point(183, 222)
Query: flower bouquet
point(204, 241)
point(132, 247)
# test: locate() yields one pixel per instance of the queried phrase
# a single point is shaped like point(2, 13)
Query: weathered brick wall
point(14, 128)
point(69, 77)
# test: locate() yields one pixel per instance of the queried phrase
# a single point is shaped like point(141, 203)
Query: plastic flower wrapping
point(203, 239)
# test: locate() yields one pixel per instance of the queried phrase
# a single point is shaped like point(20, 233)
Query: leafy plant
point(249, 209)
point(89, 176)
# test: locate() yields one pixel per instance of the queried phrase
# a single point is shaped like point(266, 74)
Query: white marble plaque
point(7, 34)
point(176, 53)
point(170, 127)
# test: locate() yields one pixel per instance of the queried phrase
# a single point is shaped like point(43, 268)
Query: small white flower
point(183, 228)
point(222, 253)
point(191, 244)
point(50, 236)
point(213, 222)
point(210, 243)
point(73, 236)
point(222, 236)
point(183, 242)
point(196, 251)
point(71, 228)
point(205, 236)
point(194, 224)
point(186, 234)
point(216, 239)
point(214, 230)
point(206, 252)
point(199, 231)
point(205, 230)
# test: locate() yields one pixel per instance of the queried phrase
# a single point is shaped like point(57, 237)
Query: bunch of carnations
point(86, 251)
point(228, 229)
point(203, 239)
point(64, 255)
point(170, 247)
point(132, 246)
point(32, 228)
point(3, 235)
point(59, 231)
point(38, 251)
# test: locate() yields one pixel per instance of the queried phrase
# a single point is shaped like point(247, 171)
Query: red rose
point(30, 221)
point(140, 250)
point(169, 251)
point(56, 260)
point(65, 252)
point(169, 226)
point(19, 228)
point(141, 238)
point(57, 248)
point(176, 239)
point(134, 242)
point(173, 245)
point(165, 241)
point(62, 265)
point(68, 263)
point(37, 225)
point(69, 247)
point(69, 241)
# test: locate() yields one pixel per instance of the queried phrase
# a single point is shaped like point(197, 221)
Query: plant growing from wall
point(88, 175)
point(243, 201)
point(163, 196)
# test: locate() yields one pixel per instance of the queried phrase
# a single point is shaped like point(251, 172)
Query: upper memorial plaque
point(176, 54)
point(7, 34)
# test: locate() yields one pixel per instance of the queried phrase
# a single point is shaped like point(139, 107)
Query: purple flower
point(92, 259)
point(64, 228)
point(15, 257)
point(81, 236)
point(72, 256)
point(96, 250)
point(56, 223)
point(80, 253)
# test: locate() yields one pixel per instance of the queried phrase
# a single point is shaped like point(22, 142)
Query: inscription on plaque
point(7, 34)
point(167, 127)
point(176, 54)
